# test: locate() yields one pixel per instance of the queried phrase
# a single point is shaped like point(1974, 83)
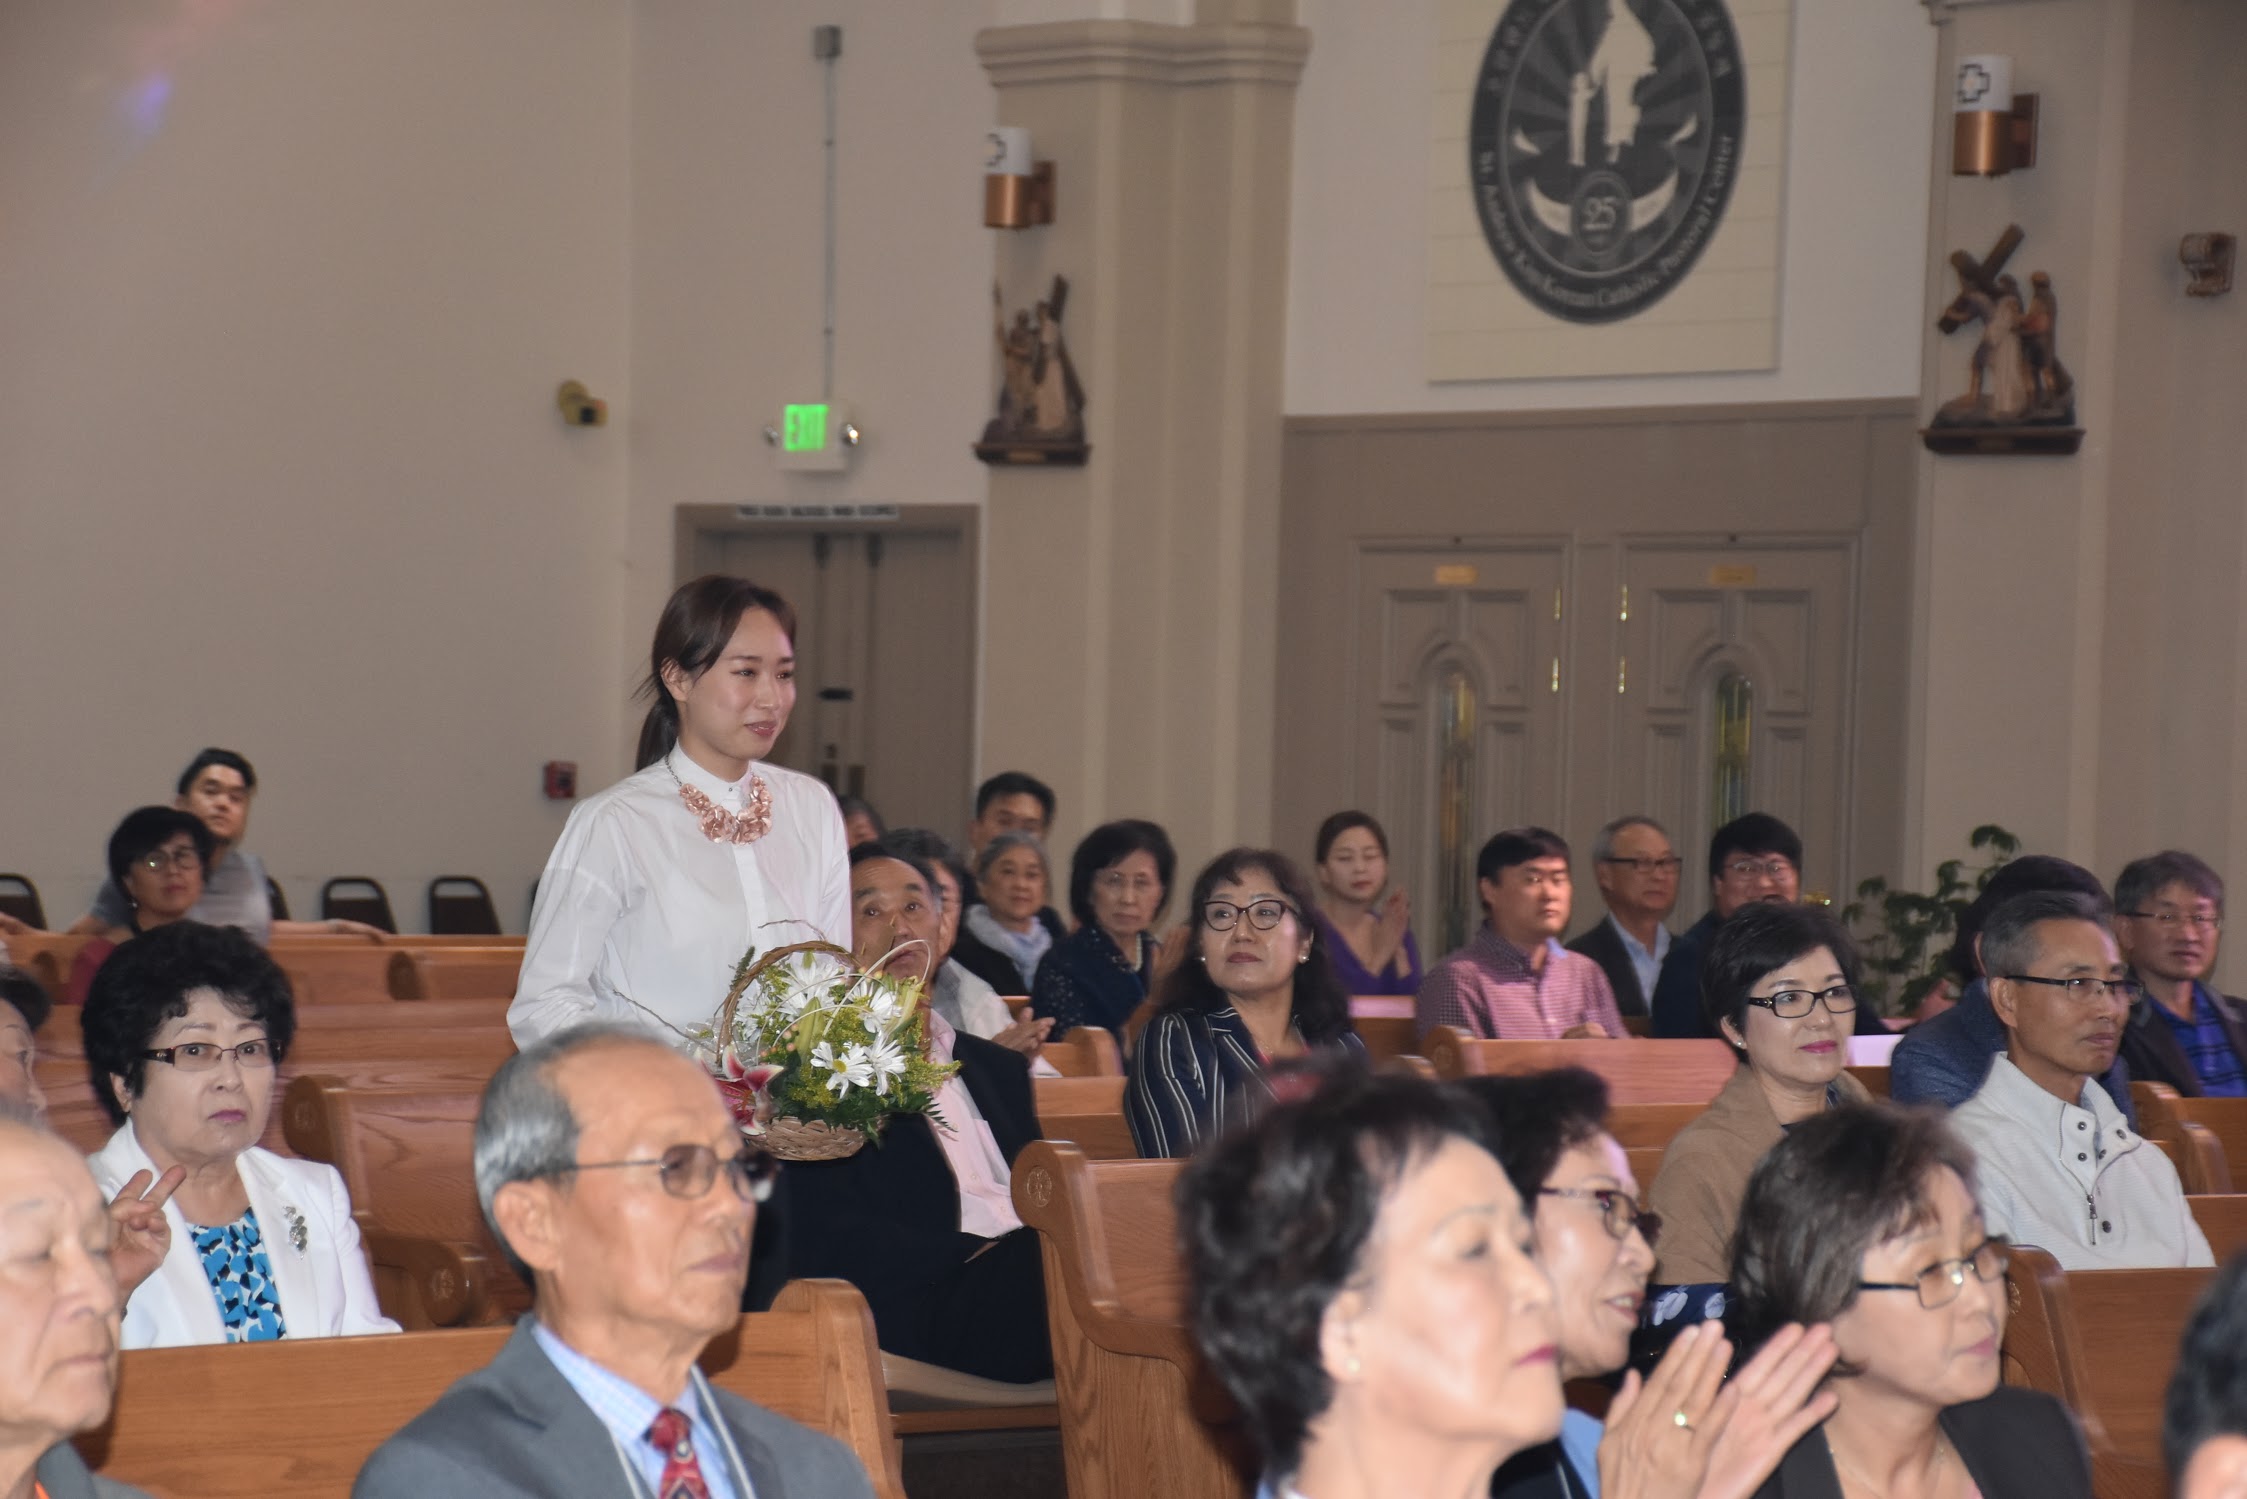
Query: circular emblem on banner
point(1604, 144)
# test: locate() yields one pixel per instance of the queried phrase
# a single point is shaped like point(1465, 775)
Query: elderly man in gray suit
point(614, 1176)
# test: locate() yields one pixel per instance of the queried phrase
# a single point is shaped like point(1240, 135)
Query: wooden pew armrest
point(449, 1284)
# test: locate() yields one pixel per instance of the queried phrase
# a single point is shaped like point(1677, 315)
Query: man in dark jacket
point(2169, 913)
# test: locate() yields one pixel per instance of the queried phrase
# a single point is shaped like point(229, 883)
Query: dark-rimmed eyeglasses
point(1746, 869)
point(1793, 1004)
point(689, 1170)
point(204, 1056)
point(2086, 989)
point(1669, 865)
point(162, 859)
point(1618, 1210)
point(1264, 915)
point(2191, 921)
point(1939, 1284)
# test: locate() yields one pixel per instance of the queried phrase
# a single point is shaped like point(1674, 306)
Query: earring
point(1352, 1364)
point(1302, 957)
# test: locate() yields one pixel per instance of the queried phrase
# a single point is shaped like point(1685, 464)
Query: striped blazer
point(1195, 1074)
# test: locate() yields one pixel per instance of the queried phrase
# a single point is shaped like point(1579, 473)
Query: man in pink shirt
point(1513, 980)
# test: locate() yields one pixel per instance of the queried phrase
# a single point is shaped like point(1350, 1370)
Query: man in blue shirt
point(1946, 1059)
point(2169, 914)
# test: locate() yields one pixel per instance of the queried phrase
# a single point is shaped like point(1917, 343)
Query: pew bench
point(1087, 1051)
point(1637, 1071)
point(1140, 1414)
point(1087, 1111)
point(423, 973)
point(324, 1404)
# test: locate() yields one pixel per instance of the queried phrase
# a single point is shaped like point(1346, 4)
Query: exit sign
point(803, 429)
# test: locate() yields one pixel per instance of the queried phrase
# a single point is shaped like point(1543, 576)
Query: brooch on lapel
point(299, 1235)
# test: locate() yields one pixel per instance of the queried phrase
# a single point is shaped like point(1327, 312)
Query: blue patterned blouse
point(241, 1277)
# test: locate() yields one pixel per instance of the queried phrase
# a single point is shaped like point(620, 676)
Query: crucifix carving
point(1978, 276)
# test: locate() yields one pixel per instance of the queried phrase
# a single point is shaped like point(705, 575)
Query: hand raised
point(1769, 1404)
point(139, 1233)
point(1660, 1434)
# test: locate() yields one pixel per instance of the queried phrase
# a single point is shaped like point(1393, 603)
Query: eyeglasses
point(1119, 883)
point(1223, 915)
point(2191, 921)
point(1618, 1210)
point(203, 1056)
point(1669, 865)
point(1938, 1285)
point(1743, 869)
point(2126, 990)
point(177, 858)
point(689, 1170)
point(1793, 1004)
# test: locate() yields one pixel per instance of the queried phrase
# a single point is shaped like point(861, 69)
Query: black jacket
point(994, 967)
point(2016, 1444)
point(2153, 1054)
point(1604, 946)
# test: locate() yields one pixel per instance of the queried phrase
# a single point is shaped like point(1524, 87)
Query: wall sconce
point(2208, 260)
point(1017, 188)
point(1994, 129)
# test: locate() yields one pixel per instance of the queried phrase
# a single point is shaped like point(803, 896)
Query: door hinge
point(1622, 674)
point(1556, 673)
point(1626, 614)
point(1556, 603)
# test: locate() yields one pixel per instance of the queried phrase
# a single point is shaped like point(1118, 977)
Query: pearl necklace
point(721, 826)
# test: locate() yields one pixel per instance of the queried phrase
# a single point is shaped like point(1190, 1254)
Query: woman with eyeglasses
point(1864, 1218)
point(1780, 984)
point(158, 857)
point(1256, 989)
point(1119, 883)
point(184, 1028)
point(1682, 1433)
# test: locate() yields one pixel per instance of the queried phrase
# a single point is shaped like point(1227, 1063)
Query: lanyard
point(736, 1469)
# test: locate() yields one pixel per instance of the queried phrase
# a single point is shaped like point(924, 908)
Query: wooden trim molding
point(1142, 52)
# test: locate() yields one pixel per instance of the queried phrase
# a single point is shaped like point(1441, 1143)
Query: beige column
point(1130, 649)
point(2079, 661)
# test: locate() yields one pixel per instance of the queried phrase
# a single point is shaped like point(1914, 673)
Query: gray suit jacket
point(516, 1427)
point(62, 1472)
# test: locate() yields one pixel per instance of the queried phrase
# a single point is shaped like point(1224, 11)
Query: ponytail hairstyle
point(696, 624)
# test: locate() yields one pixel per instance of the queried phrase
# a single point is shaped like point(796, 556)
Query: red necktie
point(682, 1475)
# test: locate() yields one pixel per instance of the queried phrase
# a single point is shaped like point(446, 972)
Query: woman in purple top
point(1368, 926)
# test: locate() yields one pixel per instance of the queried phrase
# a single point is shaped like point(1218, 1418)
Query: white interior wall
point(1851, 268)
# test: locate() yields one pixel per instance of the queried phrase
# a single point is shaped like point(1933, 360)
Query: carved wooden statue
point(2019, 396)
point(1041, 406)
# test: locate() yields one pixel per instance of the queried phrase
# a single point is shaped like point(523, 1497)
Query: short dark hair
point(1756, 833)
point(1275, 1217)
point(2143, 879)
point(921, 847)
point(2016, 877)
point(850, 806)
point(1537, 1117)
point(27, 994)
point(1110, 844)
point(147, 829)
point(146, 981)
point(1518, 846)
point(1319, 1004)
point(2009, 936)
point(2208, 1390)
point(867, 852)
point(1014, 783)
point(1340, 823)
point(216, 756)
point(1836, 1185)
point(1759, 938)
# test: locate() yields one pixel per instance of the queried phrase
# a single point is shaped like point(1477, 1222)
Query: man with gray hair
point(1637, 873)
point(2061, 1168)
point(615, 1178)
point(2168, 916)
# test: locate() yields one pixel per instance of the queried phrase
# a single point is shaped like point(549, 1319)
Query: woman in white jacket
point(184, 1029)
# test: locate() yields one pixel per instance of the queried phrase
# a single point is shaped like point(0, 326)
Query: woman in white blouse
point(660, 883)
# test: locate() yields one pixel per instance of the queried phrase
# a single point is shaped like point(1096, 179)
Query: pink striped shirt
point(1488, 989)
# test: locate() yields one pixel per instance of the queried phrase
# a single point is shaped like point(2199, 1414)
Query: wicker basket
point(795, 1140)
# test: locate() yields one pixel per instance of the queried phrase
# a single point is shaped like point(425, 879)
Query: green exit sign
point(803, 429)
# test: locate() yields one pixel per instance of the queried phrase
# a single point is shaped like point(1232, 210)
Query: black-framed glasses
point(689, 1170)
point(204, 1056)
point(1670, 865)
point(1793, 1004)
point(1264, 915)
point(162, 859)
point(1749, 868)
point(1618, 1210)
point(2191, 921)
point(1939, 1284)
point(2086, 989)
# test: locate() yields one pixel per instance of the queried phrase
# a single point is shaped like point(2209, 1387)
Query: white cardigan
point(324, 1287)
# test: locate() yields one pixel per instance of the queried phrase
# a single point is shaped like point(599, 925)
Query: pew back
point(1637, 1071)
point(325, 1404)
point(1087, 1051)
point(453, 972)
point(1087, 1111)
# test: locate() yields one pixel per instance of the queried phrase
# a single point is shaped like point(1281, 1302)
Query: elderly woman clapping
point(184, 1028)
point(1361, 1283)
point(1865, 1218)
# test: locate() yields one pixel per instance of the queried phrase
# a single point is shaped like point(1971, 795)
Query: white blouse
point(638, 908)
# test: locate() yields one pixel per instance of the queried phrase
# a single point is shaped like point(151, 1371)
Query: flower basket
point(814, 1055)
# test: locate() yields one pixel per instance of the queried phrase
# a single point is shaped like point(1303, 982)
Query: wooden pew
point(453, 972)
point(2105, 1342)
point(1088, 1051)
point(324, 1404)
point(2162, 1113)
point(1140, 1414)
point(408, 1162)
point(413, 940)
point(1087, 1111)
point(2224, 1220)
point(340, 974)
point(47, 957)
point(1384, 1023)
point(1637, 1071)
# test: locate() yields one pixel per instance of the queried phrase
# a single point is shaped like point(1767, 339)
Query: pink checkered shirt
point(1488, 989)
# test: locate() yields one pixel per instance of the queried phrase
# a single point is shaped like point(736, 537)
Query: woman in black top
point(1119, 883)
